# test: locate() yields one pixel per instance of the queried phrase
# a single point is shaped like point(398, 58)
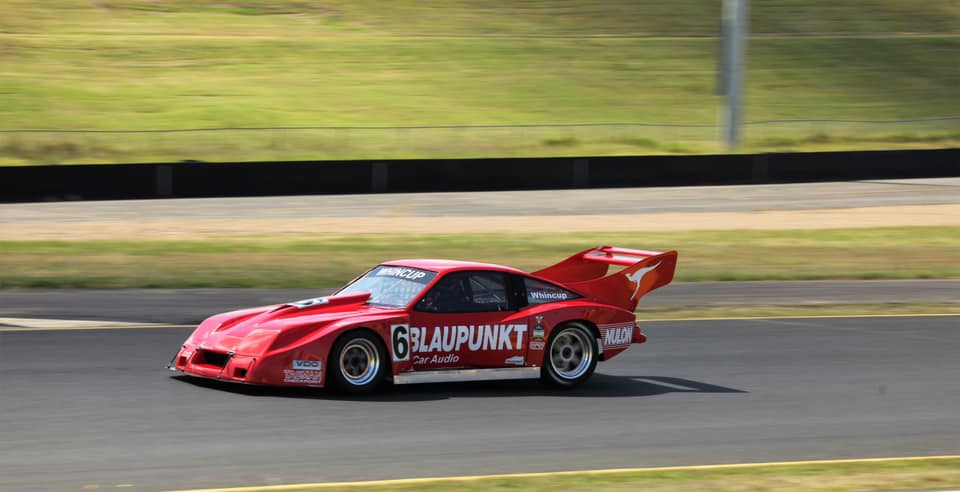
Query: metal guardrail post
point(734, 27)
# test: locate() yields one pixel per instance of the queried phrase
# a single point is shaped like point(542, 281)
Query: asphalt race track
point(190, 306)
point(96, 408)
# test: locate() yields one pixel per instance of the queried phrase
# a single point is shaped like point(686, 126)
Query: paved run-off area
point(788, 206)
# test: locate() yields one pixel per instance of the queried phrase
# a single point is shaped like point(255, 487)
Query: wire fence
point(225, 144)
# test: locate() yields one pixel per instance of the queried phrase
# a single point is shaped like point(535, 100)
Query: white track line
point(45, 324)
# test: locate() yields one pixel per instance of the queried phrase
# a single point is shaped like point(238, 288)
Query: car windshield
point(393, 286)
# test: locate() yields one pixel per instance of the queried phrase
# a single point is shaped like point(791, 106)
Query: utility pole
point(733, 47)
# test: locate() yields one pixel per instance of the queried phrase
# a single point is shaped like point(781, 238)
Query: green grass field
point(854, 476)
point(167, 64)
point(329, 261)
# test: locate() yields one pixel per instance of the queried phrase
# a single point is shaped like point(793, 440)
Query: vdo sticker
point(307, 365)
point(400, 340)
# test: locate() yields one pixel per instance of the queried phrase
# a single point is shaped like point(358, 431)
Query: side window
point(489, 291)
point(467, 292)
point(539, 292)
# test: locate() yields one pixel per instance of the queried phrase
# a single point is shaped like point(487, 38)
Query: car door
point(469, 319)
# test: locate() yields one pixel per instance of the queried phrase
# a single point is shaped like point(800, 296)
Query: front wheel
point(571, 356)
point(358, 362)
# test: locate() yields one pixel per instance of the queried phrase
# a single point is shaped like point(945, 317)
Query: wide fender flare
point(598, 318)
point(318, 344)
point(393, 333)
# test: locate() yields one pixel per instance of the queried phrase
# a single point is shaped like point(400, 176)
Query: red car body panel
point(290, 344)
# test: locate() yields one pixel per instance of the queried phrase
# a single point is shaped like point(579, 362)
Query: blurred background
point(164, 81)
point(105, 81)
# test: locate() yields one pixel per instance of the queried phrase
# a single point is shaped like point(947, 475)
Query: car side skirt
point(457, 375)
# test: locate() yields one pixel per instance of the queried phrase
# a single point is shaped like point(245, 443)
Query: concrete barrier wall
point(129, 181)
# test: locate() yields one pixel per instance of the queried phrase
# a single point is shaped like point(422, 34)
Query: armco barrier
point(192, 179)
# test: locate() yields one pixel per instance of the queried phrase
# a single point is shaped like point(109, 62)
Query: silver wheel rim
point(359, 362)
point(571, 353)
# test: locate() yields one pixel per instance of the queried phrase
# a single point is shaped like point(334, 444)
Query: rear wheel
point(358, 362)
point(571, 356)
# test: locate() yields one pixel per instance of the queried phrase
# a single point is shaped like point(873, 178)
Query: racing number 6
point(400, 334)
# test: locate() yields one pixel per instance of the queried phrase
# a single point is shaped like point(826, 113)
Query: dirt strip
point(910, 215)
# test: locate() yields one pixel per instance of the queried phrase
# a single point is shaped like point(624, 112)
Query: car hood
point(258, 330)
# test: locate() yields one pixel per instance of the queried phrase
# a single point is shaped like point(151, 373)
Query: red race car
point(420, 321)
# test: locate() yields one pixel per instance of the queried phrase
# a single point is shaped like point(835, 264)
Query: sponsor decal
point(400, 272)
point(472, 338)
point(310, 302)
point(436, 359)
point(538, 330)
point(547, 295)
point(538, 334)
point(307, 365)
point(537, 345)
point(302, 377)
point(516, 360)
point(617, 335)
point(637, 276)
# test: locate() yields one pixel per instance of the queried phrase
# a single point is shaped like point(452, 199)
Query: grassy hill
point(174, 64)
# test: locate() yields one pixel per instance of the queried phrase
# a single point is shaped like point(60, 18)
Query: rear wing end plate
point(587, 272)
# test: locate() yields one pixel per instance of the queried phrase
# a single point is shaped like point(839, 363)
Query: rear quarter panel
point(611, 325)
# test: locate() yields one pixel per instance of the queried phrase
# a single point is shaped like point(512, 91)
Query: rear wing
point(587, 271)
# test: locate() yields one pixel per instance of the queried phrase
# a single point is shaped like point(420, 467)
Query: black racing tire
point(570, 357)
point(358, 362)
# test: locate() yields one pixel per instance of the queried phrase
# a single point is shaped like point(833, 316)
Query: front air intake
point(211, 358)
